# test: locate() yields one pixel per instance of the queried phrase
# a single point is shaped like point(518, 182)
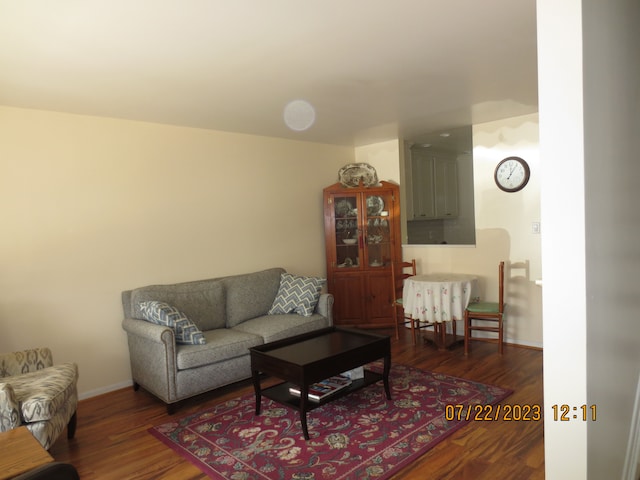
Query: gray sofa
point(231, 312)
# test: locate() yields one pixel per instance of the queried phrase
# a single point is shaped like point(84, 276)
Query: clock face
point(512, 174)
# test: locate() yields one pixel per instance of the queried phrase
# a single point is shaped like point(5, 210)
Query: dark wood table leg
point(456, 339)
point(257, 390)
point(385, 375)
point(443, 336)
point(304, 392)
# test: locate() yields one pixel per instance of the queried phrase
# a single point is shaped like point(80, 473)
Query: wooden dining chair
point(489, 314)
point(400, 271)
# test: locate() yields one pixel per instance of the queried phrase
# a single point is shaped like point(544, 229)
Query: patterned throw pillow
point(297, 294)
point(163, 314)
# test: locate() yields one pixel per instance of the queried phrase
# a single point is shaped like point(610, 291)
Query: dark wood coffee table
point(308, 358)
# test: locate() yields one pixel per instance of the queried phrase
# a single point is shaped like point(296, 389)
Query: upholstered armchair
point(38, 394)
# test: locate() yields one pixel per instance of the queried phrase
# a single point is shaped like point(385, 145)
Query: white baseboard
point(511, 341)
point(118, 386)
point(523, 343)
point(101, 390)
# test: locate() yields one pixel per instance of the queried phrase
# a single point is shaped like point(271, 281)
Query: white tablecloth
point(439, 297)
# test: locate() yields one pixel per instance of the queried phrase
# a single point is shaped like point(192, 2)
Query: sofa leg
point(71, 426)
point(171, 408)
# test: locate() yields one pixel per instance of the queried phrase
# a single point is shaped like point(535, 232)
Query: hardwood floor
point(112, 441)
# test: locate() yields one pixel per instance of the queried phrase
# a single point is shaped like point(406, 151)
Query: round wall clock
point(512, 174)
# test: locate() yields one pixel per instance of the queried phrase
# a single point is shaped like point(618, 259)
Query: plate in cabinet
point(345, 209)
point(375, 205)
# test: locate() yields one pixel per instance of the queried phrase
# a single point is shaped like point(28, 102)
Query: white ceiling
point(372, 69)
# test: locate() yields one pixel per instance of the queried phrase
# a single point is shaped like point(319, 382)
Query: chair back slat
point(501, 287)
point(399, 274)
point(400, 271)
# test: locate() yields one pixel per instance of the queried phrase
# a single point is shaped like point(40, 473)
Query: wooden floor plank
point(112, 441)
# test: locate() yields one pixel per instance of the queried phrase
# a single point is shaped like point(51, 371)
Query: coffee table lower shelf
point(280, 392)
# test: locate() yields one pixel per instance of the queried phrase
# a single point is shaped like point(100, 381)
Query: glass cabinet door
point(377, 234)
point(347, 231)
point(361, 239)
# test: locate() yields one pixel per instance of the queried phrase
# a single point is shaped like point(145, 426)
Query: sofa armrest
point(152, 353)
point(25, 361)
point(325, 306)
point(151, 331)
point(9, 408)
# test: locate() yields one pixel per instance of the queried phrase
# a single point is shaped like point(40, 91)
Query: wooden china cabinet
point(362, 237)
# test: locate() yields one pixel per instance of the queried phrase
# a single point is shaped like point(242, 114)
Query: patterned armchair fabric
point(38, 394)
point(17, 363)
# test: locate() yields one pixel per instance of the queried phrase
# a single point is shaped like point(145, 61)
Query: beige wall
point(93, 206)
point(383, 157)
point(503, 222)
point(503, 229)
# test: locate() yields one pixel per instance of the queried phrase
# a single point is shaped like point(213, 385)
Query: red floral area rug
point(359, 436)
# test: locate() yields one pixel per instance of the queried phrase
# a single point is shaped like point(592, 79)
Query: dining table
point(438, 299)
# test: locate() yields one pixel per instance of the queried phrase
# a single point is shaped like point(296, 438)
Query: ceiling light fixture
point(299, 115)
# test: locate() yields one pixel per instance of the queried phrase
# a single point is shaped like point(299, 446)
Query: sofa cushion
point(163, 314)
point(202, 301)
point(276, 327)
point(222, 344)
point(297, 294)
point(41, 394)
point(250, 295)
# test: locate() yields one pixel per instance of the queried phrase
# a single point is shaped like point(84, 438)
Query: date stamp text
point(493, 413)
